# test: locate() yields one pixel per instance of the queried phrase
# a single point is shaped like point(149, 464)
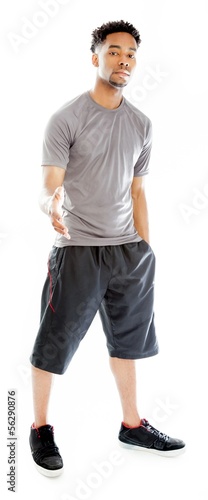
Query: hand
point(55, 212)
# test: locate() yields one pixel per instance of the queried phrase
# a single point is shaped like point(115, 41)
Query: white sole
point(171, 453)
point(49, 473)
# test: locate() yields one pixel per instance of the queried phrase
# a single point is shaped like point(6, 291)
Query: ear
point(95, 60)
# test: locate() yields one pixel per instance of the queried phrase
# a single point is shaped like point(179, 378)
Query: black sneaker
point(147, 438)
point(45, 453)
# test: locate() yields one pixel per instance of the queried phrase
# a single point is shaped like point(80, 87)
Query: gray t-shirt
point(102, 150)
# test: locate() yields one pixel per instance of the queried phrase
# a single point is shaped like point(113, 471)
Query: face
point(116, 59)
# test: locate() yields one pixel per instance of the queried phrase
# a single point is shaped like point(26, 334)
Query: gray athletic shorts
point(117, 281)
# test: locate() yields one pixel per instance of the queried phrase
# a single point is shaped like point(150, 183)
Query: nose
point(124, 64)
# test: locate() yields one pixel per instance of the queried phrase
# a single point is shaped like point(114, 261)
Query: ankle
point(39, 423)
point(132, 423)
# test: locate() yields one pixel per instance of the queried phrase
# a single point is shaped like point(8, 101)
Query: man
point(96, 153)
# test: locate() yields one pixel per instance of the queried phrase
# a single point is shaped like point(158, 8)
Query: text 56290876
point(12, 439)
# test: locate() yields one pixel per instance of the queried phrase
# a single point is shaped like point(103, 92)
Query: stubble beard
point(117, 85)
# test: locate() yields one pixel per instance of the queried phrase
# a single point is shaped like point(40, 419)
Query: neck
point(106, 95)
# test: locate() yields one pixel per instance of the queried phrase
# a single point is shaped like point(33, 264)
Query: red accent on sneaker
point(33, 426)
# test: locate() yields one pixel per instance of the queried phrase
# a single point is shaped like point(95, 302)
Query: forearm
point(140, 214)
point(45, 200)
point(53, 178)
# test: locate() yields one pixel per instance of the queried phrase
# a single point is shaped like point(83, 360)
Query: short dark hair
point(99, 34)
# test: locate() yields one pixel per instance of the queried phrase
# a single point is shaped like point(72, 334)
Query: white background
point(170, 86)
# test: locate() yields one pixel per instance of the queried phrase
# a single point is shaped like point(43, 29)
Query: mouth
point(122, 73)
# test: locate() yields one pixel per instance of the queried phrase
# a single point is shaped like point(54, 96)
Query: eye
point(131, 56)
point(113, 53)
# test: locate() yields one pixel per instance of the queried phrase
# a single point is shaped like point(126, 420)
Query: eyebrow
point(119, 47)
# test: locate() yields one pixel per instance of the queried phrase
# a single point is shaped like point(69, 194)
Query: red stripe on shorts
point(50, 288)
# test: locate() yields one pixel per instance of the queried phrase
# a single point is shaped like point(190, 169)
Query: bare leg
point(41, 382)
point(124, 371)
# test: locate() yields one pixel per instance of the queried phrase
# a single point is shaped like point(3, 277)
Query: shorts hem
point(54, 371)
point(148, 354)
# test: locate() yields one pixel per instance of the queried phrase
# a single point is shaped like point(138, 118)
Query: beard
point(118, 85)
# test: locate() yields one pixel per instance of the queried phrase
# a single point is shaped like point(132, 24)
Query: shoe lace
point(158, 434)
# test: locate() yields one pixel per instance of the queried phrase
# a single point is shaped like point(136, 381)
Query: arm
point(52, 196)
point(140, 212)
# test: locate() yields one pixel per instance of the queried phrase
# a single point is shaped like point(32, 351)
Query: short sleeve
point(142, 165)
point(56, 142)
